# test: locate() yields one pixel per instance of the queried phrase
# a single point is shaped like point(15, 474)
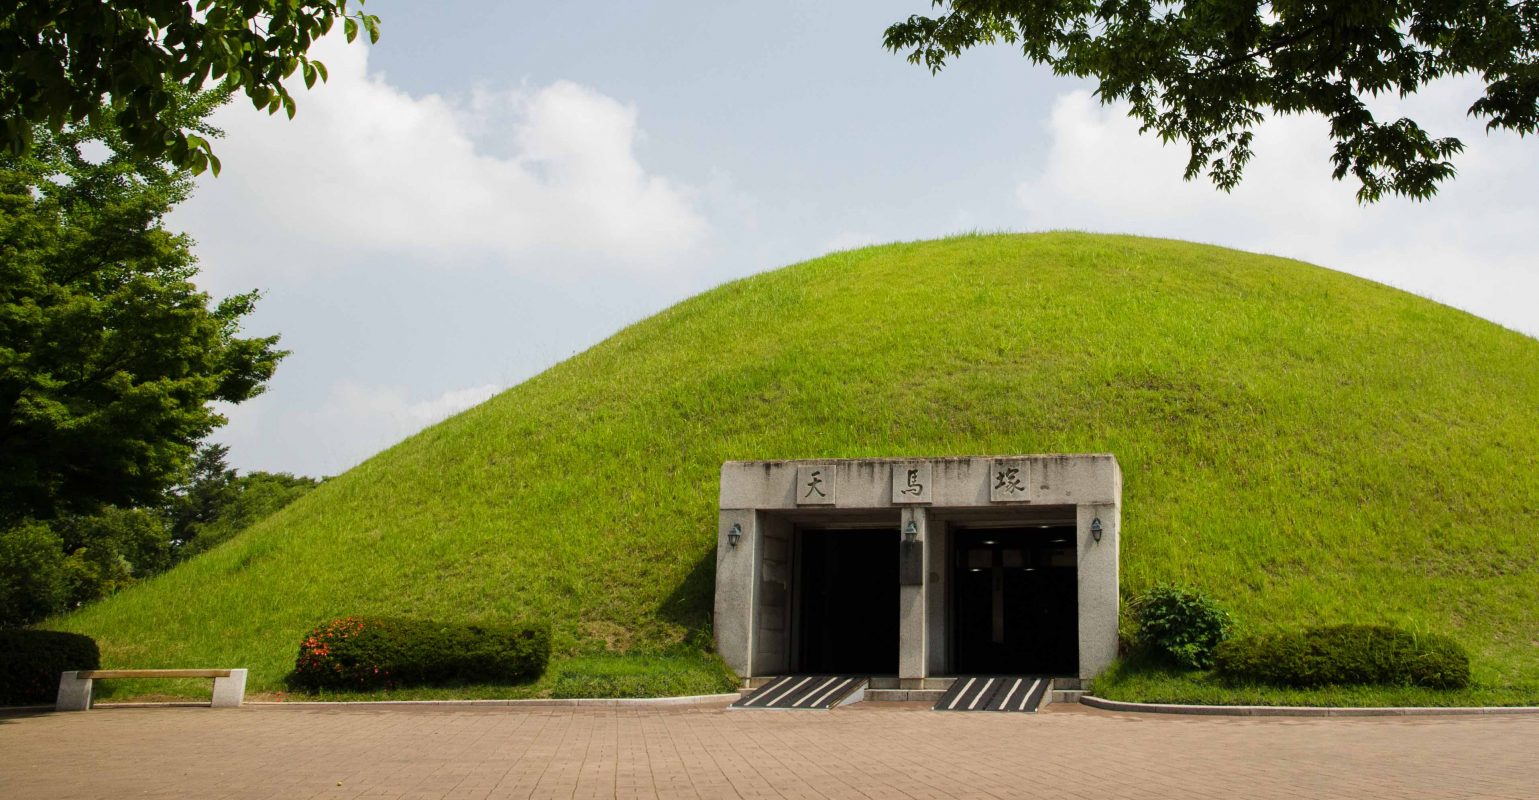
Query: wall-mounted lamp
point(910, 532)
point(1095, 529)
point(734, 535)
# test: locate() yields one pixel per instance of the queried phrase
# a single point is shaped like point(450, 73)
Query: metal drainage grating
point(806, 691)
point(995, 693)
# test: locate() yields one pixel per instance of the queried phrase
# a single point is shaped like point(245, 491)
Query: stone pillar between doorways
point(913, 638)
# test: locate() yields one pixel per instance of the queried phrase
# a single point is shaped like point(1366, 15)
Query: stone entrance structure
point(919, 568)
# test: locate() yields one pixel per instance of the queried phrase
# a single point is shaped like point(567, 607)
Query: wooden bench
point(75, 686)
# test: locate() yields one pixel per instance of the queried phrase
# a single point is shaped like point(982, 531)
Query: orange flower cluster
point(316, 655)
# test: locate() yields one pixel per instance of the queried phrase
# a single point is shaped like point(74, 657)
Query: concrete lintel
point(961, 482)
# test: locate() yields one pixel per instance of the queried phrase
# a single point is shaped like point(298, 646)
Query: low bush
point(383, 653)
point(1180, 625)
point(1345, 655)
point(30, 663)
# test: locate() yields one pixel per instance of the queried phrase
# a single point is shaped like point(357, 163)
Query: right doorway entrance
point(1015, 601)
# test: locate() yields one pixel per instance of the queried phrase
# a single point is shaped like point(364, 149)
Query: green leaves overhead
point(71, 61)
point(1205, 73)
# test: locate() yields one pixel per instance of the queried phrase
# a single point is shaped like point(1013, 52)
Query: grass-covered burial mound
point(1305, 446)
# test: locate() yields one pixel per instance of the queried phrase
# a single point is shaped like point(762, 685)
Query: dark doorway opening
point(1015, 605)
point(848, 603)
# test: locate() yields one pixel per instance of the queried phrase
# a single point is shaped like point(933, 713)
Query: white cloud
point(849, 240)
point(1469, 247)
point(354, 422)
point(389, 405)
point(541, 180)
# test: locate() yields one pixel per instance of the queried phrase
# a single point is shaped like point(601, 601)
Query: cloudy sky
point(493, 188)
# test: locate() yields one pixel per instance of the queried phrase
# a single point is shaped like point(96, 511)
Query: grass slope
point(1304, 445)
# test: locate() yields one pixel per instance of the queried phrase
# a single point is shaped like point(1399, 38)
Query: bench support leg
point(230, 692)
point(74, 693)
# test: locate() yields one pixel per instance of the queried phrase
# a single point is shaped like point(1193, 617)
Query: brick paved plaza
point(862, 751)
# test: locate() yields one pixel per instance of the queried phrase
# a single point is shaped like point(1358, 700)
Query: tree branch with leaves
point(1206, 73)
point(66, 62)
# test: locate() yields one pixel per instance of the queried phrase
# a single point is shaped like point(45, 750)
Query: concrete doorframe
point(762, 502)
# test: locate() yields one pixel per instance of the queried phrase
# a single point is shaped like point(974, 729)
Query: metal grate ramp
point(807, 691)
point(995, 693)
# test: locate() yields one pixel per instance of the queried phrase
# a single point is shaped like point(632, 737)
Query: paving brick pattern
point(860, 751)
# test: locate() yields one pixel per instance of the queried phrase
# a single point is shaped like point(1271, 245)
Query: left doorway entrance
point(848, 602)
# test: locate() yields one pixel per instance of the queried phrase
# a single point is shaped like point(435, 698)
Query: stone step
point(903, 695)
point(1067, 695)
point(890, 682)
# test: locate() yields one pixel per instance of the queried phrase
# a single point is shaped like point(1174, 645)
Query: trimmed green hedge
point(30, 663)
point(1344, 655)
point(383, 653)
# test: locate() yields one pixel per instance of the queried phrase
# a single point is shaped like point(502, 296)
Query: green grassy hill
point(1304, 445)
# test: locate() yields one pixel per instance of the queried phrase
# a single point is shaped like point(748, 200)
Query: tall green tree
point(110, 356)
point(215, 502)
point(63, 62)
point(110, 550)
point(202, 497)
point(1206, 73)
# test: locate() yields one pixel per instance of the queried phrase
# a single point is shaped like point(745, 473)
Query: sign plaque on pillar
point(815, 485)
point(911, 483)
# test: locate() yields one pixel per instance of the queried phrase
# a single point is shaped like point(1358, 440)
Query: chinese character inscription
point(1009, 480)
point(815, 485)
point(911, 483)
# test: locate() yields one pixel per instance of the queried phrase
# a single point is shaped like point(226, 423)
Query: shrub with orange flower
point(385, 652)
